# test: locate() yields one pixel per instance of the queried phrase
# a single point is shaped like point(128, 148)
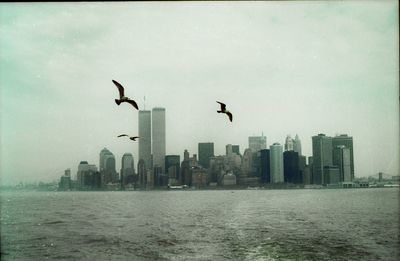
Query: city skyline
point(281, 68)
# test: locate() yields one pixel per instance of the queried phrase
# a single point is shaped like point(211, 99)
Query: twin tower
point(152, 138)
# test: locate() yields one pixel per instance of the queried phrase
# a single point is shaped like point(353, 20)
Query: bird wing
point(134, 138)
point(120, 89)
point(229, 115)
point(122, 135)
point(223, 106)
point(133, 103)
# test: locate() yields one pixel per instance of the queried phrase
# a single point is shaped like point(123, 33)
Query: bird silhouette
point(125, 135)
point(224, 110)
point(122, 97)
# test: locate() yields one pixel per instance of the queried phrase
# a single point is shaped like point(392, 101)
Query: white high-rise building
point(145, 137)
point(158, 137)
point(289, 143)
point(297, 145)
point(276, 163)
point(257, 143)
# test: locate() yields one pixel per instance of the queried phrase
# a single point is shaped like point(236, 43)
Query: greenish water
point(335, 224)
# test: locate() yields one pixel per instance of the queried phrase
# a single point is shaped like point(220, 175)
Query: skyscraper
point(276, 161)
point(345, 140)
point(145, 137)
point(172, 166)
point(158, 137)
point(297, 145)
point(127, 169)
point(206, 151)
point(103, 152)
point(142, 173)
point(322, 156)
point(107, 167)
point(291, 166)
point(265, 166)
point(257, 143)
point(236, 149)
point(342, 159)
point(289, 143)
point(85, 173)
point(109, 172)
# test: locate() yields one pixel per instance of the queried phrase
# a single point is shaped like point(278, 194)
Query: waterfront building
point(307, 175)
point(199, 177)
point(331, 175)
point(276, 161)
point(347, 141)
point(265, 166)
point(342, 159)
point(217, 169)
point(291, 167)
point(86, 174)
point(108, 172)
point(206, 151)
point(247, 163)
point(322, 156)
point(127, 170)
point(302, 166)
point(229, 180)
point(65, 183)
point(311, 166)
point(172, 168)
point(256, 164)
point(158, 137)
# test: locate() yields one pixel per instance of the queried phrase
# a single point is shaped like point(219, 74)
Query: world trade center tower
point(158, 136)
point(145, 138)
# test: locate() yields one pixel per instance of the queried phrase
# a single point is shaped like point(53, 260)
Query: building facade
point(322, 156)
point(347, 141)
point(206, 151)
point(265, 166)
point(257, 143)
point(342, 159)
point(145, 137)
point(276, 160)
point(158, 138)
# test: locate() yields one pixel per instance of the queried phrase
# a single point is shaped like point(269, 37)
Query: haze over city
point(281, 67)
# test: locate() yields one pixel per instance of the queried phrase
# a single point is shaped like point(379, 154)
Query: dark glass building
point(291, 167)
point(322, 156)
point(265, 166)
point(206, 151)
point(173, 162)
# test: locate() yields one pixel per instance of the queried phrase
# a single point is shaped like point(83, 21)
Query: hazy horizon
point(291, 67)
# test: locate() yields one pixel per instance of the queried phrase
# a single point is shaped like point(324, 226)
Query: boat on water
point(178, 187)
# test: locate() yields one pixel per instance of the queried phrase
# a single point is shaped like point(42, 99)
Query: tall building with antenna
point(257, 143)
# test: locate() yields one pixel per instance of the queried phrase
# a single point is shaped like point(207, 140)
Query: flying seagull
point(122, 97)
point(132, 138)
point(224, 110)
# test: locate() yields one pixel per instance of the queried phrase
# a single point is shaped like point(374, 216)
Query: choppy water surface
point(354, 224)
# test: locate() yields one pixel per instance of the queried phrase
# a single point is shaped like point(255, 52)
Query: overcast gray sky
point(291, 67)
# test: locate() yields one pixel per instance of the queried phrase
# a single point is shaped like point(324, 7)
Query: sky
point(291, 67)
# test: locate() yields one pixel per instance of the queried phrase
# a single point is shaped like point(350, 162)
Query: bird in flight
point(122, 97)
point(125, 135)
point(224, 110)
